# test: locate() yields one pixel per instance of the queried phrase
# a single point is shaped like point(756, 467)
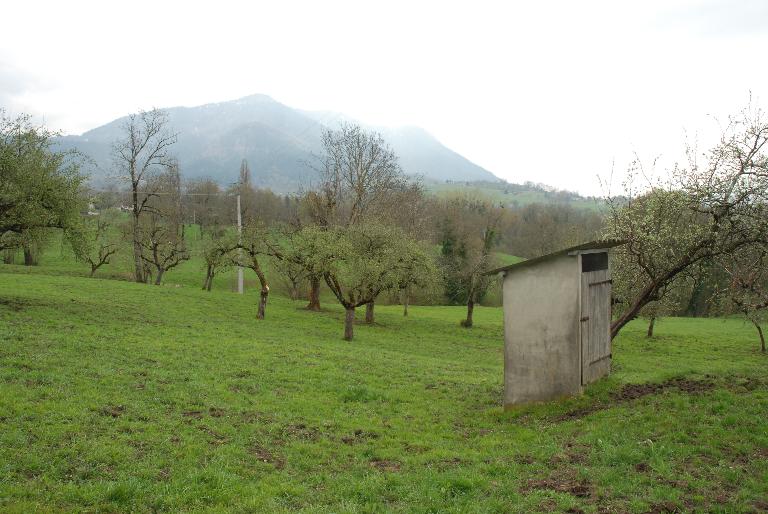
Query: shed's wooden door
point(595, 317)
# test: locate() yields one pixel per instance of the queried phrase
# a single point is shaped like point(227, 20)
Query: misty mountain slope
point(278, 142)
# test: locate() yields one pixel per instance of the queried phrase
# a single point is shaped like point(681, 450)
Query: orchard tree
point(628, 280)
point(40, 188)
point(469, 230)
point(362, 261)
point(293, 274)
point(256, 245)
point(712, 207)
point(216, 254)
point(747, 291)
point(161, 231)
point(296, 254)
point(141, 153)
point(99, 243)
point(359, 180)
point(419, 272)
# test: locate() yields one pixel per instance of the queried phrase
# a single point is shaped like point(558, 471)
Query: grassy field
point(116, 396)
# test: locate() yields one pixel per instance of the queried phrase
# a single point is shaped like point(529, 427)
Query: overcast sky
point(552, 92)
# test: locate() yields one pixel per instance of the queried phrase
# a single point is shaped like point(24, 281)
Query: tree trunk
point(349, 323)
point(137, 251)
point(762, 336)
point(314, 293)
point(159, 278)
point(9, 256)
point(650, 327)
point(262, 302)
point(206, 282)
point(406, 299)
point(93, 270)
point(631, 313)
point(210, 280)
point(29, 256)
point(467, 323)
point(294, 291)
point(264, 289)
point(369, 315)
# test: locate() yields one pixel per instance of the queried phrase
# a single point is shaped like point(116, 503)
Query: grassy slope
point(512, 197)
point(58, 259)
point(118, 396)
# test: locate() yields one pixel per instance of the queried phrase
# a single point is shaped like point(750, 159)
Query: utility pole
point(239, 250)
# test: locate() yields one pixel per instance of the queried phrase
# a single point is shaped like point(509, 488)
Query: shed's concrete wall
point(542, 351)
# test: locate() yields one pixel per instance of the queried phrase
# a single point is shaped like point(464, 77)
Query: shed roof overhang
point(582, 248)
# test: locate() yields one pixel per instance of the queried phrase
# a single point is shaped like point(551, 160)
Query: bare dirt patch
point(580, 488)
point(253, 417)
point(634, 391)
point(359, 436)
point(524, 459)
point(18, 304)
point(302, 431)
point(663, 508)
point(390, 466)
point(265, 455)
point(114, 411)
point(445, 464)
point(216, 412)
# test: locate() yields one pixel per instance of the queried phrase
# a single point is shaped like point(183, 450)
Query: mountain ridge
point(275, 139)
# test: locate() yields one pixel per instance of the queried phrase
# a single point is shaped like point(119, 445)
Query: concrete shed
point(557, 319)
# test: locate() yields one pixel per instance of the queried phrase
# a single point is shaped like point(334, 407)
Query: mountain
point(278, 142)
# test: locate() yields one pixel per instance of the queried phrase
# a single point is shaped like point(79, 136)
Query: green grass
point(505, 259)
point(58, 259)
point(117, 396)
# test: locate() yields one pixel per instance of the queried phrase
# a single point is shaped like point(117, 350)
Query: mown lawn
point(117, 396)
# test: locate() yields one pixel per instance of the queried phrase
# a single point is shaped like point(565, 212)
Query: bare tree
point(100, 246)
point(161, 233)
point(358, 174)
point(143, 151)
point(163, 248)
